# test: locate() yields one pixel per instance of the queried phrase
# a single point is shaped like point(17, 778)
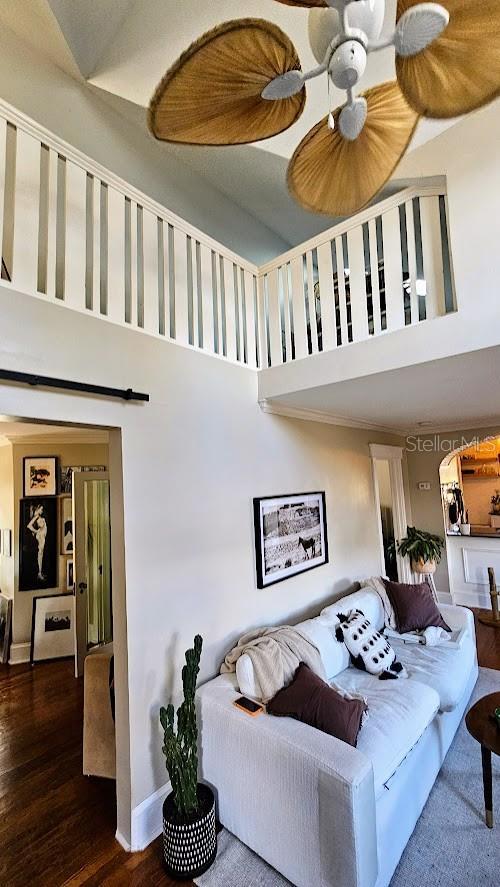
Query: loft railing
point(73, 233)
point(385, 268)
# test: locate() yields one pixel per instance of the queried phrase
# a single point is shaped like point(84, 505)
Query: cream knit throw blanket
point(276, 653)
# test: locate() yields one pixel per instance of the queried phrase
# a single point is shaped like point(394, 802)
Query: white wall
point(193, 459)
point(78, 114)
point(6, 517)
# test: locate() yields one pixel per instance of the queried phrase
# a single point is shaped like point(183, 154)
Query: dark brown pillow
point(312, 701)
point(414, 606)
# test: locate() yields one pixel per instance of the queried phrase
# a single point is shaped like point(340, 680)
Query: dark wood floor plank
point(57, 827)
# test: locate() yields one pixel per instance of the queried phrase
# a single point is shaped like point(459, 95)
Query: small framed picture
point(5, 627)
point(290, 536)
point(52, 627)
point(6, 542)
point(66, 524)
point(40, 475)
point(70, 576)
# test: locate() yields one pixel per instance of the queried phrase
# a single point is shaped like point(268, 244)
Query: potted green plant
point(495, 509)
point(424, 549)
point(189, 833)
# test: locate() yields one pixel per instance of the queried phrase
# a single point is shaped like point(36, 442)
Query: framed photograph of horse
point(290, 536)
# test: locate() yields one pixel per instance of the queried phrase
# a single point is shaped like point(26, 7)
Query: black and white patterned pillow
point(369, 649)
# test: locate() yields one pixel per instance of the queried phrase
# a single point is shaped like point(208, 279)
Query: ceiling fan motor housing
point(348, 64)
point(324, 25)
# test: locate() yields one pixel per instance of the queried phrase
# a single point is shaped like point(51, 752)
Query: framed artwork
point(6, 543)
point(290, 536)
point(40, 475)
point(66, 475)
point(70, 576)
point(5, 627)
point(52, 627)
point(66, 525)
point(38, 544)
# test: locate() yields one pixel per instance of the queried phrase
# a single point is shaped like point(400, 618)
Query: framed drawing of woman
point(38, 544)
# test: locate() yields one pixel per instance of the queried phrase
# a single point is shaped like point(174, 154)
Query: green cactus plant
point(181, 746)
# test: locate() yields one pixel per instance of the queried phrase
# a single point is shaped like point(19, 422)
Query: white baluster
point(357, 279)
point(393, 270)
point(299, 314)
point(27, 201)
point(325, 271)
point(433, 257)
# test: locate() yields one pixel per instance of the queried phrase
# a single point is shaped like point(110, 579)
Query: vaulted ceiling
point(122, 48)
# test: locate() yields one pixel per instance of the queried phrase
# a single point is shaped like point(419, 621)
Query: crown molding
point(327, 418)
point(59, 437)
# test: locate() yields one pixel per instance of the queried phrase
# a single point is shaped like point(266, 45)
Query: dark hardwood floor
point(57, 826)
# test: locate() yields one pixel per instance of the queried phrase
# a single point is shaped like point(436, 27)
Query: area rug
point(450, 847)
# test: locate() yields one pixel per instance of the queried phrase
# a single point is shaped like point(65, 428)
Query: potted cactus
point(189, 834)
point(424, 550)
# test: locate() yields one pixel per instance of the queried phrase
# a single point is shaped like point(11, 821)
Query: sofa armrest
point(458, 617)
point(303, 800)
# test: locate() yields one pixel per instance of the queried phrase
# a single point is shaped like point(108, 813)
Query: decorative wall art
point(40, 475)
point(66, 525)
point(66, 475)
point(5, 627)
point(52, 627)
point(38, 544)
point(290, 536)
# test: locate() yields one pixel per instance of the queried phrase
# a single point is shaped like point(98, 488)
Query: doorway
point(71, 466)
point(390, 502)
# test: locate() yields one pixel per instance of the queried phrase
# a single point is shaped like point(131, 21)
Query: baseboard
point(121, 840)
point(444, 597)
point(146, 820)
point(19, 653)
point(473, 599)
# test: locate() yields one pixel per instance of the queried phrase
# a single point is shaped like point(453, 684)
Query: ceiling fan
point(242, 82)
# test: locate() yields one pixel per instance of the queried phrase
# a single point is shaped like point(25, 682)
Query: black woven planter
point(189, 843)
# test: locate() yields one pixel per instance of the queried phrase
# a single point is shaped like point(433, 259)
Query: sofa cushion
point(334, 655)
point(398, 713)
point(309, 699)
point(366, 600)
point(445, 669)
point(414, 606)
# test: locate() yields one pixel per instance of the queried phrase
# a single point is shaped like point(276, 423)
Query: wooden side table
point(483, 727)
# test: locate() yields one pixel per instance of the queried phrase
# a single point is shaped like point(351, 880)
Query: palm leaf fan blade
point(332, 175)
point(460, 71)
point(212, 95)
point(310, 4)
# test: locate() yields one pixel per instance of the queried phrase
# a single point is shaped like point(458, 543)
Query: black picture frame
point(51, 465)
point(68, 653)
point(31, 541)
point(297, 558)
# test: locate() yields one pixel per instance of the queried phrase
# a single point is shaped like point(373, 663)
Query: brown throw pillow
point(414, 606)
point(309, 699)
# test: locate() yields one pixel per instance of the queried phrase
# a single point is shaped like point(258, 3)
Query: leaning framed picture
point(290, 536)
point(70, 576)
point(40, 475)
point(38, 544)
point(52, 627)
point(5, 627)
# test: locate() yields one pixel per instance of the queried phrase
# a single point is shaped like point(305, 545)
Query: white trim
point(472, 599)
point(276, 409)
point(30, 126)
point(19, 653)
point(395, 200)
point(146, 822)
point(384, 451)
point(465, 558)
point(122, 841)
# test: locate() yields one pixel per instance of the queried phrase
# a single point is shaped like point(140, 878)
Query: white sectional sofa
point(323, 813)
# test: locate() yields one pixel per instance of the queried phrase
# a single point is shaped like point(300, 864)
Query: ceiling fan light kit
point(242, 82)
